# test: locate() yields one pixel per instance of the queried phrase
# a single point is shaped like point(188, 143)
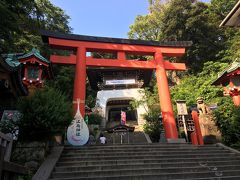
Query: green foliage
point(95, 119)
point(46, 112)
point(63, 80)
point(182, 20)
point(194, 86)
point(150, 102)
point(152, 126)
point(7, 126)
point(21, 21)
point(227, 118)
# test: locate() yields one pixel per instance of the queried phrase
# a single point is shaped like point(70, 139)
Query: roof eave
point(230, 15)
point(46, 34)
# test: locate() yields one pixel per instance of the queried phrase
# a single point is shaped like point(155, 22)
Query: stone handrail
point(8, 169)
point(6, 144)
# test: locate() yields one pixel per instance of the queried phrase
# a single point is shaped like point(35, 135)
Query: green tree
point(44, 113)
point(193, 86)
point(183, 20)
point(227, 118)
point(21, 21)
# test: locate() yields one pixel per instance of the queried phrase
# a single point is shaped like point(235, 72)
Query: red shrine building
point(230, 80)
point(20, 74)
point(117, 72)
point(230, 77)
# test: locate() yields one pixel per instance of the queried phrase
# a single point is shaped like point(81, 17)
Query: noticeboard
point(181, 107)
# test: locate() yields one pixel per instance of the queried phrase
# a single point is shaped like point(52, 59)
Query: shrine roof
point(10, 65)
point(120, 128)
point(233, 18)
point(10, 61)
point(221, 76)
point(46, 34)
point(36, 53)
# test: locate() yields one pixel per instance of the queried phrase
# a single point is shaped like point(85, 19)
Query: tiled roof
point(77, 37)
point(10, 60)
point(234, 66)
point(36, 53)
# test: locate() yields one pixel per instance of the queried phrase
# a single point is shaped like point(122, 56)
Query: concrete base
point(180, 140)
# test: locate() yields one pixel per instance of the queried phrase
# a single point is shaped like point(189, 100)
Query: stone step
point(169, 173)
point(150, 148)
point(134, 165)
point(96, 154)
point(146, 156)
point(152, 160)
point(134, 146)
point(215, 178)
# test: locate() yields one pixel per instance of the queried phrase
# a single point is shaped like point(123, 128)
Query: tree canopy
point(213, 49)
point(185, 20)
point(21, 21)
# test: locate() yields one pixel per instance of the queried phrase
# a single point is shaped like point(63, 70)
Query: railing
point(8, 170)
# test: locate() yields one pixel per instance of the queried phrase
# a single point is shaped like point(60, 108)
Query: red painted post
point(194, 139)
point(169, 122)
point(197, 127)
point(236, 100)
point(79, 91)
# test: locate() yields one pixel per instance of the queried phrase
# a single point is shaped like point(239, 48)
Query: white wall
point(107, 95)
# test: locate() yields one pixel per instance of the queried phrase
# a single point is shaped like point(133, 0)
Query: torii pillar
point(79, 92)
point(169, 122)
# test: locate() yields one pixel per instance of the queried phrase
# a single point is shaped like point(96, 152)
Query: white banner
point(122, 81)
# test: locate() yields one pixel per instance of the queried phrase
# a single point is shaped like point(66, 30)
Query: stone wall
point(30, 154)
point(209, 130)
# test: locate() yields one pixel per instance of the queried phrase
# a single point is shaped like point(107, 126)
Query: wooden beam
point(94, 62)
point(120, 63)
point(174, 66)
point(14, 168)
point(91, 46)
point(63, 59)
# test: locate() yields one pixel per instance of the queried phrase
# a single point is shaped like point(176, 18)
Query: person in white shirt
point(102, 139)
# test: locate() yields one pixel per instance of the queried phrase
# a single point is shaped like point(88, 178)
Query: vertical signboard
point(182, 111)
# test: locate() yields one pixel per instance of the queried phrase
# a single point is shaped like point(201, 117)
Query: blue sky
point(107, 18)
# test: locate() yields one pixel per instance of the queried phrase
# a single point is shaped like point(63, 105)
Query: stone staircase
point(147, 161)
point(128, 138)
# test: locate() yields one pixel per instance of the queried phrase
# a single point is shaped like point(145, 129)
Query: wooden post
point(169, 122)
point(197, 127)
point(80, 80)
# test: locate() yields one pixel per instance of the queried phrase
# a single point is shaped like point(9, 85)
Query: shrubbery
point(95, 118)
point(152, 126)
point(45, 113)
point(227, 118)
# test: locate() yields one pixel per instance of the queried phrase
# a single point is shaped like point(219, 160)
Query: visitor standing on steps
point(103, 140)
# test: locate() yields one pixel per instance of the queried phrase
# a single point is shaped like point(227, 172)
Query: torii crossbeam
point(83, 44)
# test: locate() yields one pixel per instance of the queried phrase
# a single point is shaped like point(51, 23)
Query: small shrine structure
point(230, 80)
point(81, 46)
point(20, 73)
point(36, 69)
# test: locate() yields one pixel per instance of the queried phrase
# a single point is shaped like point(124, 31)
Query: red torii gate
point(82, 44)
